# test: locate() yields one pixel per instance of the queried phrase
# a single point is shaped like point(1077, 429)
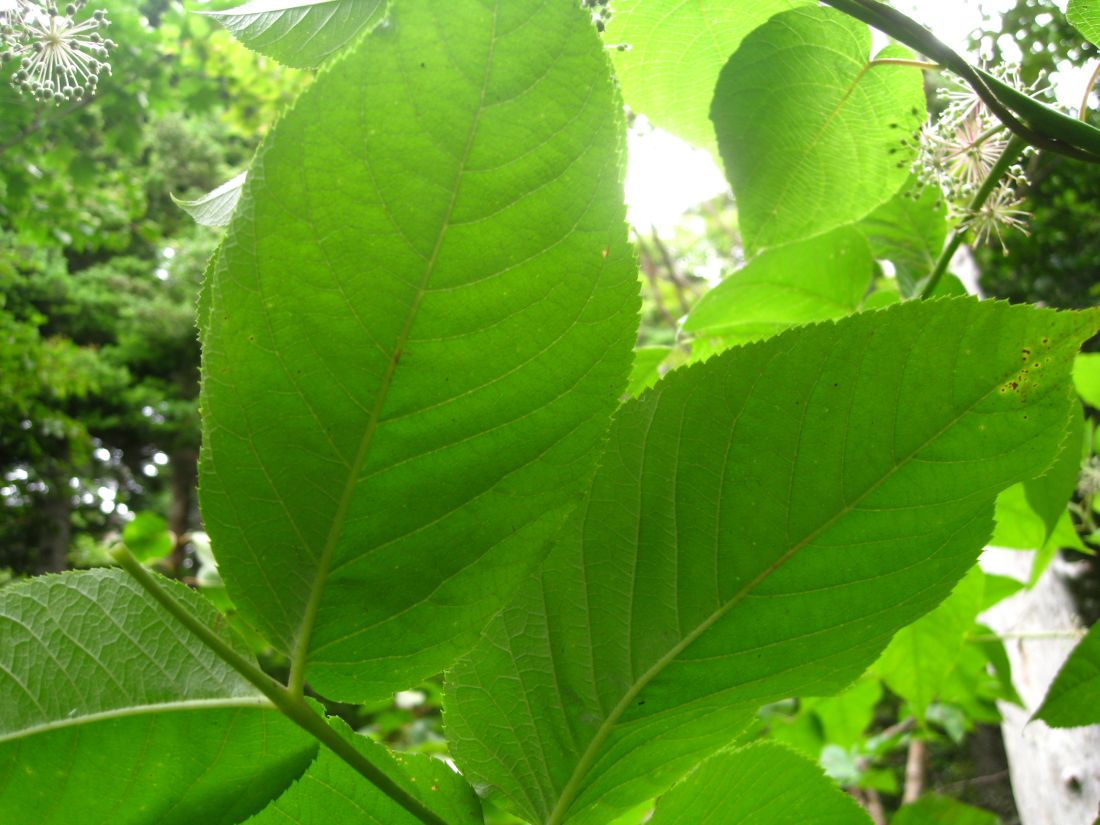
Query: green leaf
point(1073, 698)
point(332, 792)
point(920, 658)
point(644, 373)
point(1085, 17)
point(673, 52)
point(112, 712)
point(761, 524)
point(408, 376)
point(215, 208)
point(300, 33)
point(147, 537)
point(763, 784)
point(933, 809)
point(812, 135)
point(1086, 377)
point(909, 230)
point(1049, 494)
point(815, 280)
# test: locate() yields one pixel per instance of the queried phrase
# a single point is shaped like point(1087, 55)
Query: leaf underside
point(761, 524)
point(98, 681)
point(407, 377)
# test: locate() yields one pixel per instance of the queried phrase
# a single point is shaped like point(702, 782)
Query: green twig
point(908, 31)
point(1010, 155)
point(1037, 635)
point(293, 707)
point(1083, 112)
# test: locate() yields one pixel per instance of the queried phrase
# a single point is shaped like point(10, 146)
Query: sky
point(665, 176)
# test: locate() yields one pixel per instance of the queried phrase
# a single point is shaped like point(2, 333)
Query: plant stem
point(1033, 635)
point(293, 707)
point(916, 763)
point(1083, 112)
point(901, 61)
point(1008, 157)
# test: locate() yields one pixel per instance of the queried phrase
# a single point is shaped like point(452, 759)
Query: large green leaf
point(762, 784)
point(762, 523)
point(815, 280)
point(332, 792)
point(415, 334)
point(111, 712)
point(812, 135)
point(920, 658)
point(300, 33)
point(672, 52)
point(1085, 17)
point(1074, 697)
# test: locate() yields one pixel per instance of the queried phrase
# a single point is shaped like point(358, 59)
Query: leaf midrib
point(300, 652)
point(571, 790)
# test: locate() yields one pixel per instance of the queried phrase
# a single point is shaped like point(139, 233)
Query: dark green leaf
point(408, 375)
point(762, 523)
point(1074, 697)
point(813, 137)
point(331, 792)
point(112, 712)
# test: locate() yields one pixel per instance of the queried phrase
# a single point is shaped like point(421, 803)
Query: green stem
point(901, 61)
point(915, 36)
point(293, 707)
point(1008, 157)
point(1083, 112)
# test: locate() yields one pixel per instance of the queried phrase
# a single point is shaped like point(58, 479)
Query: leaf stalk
point(294, 707)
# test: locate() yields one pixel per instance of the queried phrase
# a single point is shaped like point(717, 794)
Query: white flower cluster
point(57, 58)
point(957, 153)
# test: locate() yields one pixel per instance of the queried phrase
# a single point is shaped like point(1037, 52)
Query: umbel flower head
point(58, 58)
point(958, 152)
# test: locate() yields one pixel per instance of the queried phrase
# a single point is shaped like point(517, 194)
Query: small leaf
point(672, 53)
point(1086, 377)
point(147, 537)
point(920, 658)
point(1085, 17)
point(300, 33)
point(103, 695)
point(332, 792)
point(763, 784)
point(1074, 697)
point(813, 136)
point(933, 809)
point(215, 208)
point(909, 230)
point(815, 280)
point(644, 373)
point(760, 526)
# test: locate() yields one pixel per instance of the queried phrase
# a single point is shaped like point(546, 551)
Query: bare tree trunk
point(184, 475)
point(1055, 772)
point(57, 510)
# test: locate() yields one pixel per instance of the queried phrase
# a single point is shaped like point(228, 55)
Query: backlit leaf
point(761, 524)
point(300, 33)
point(813, 136)
point(673, 51)
point(763, 784)
point(215, 208)
point(408, 375)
